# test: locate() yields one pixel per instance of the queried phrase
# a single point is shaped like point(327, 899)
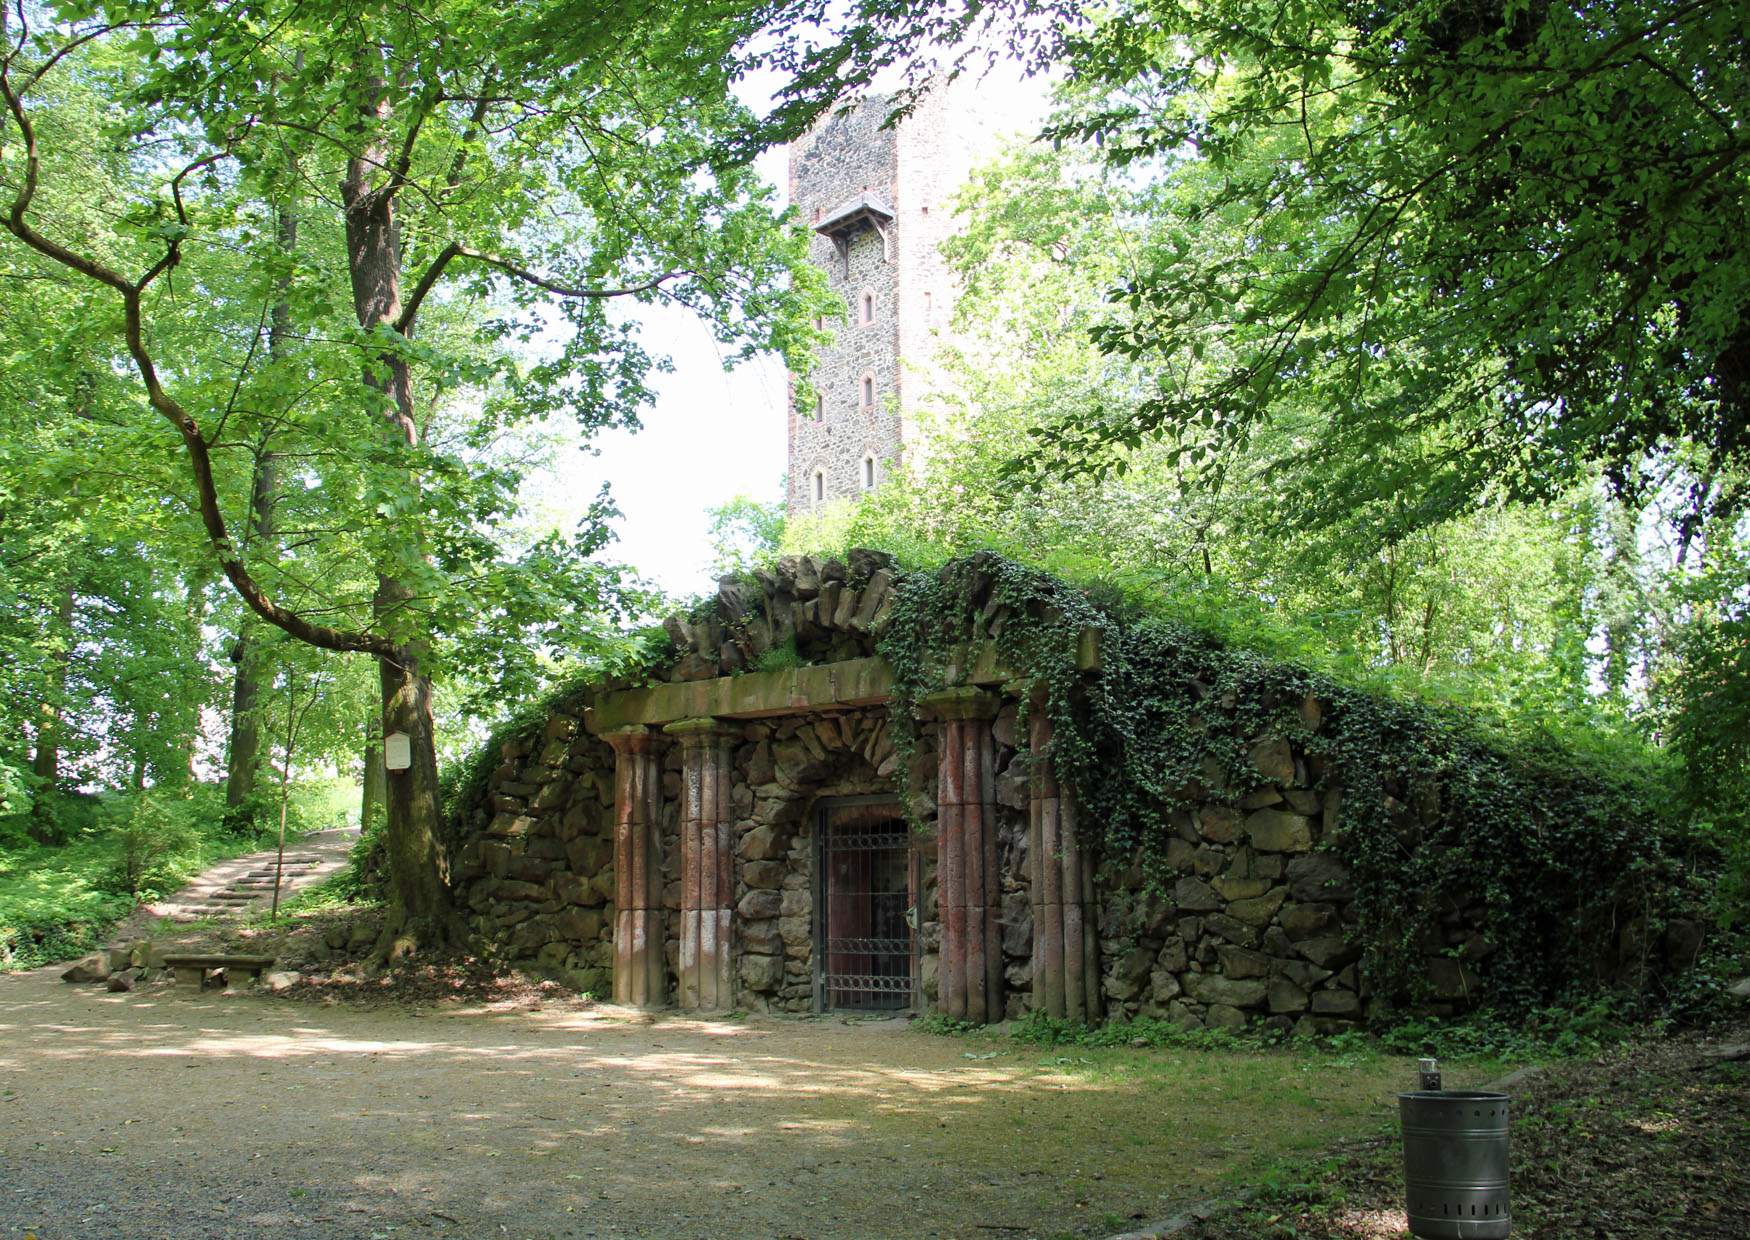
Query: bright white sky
point(711, 435)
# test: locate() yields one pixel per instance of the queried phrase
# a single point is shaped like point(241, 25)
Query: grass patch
point(1191, 1114)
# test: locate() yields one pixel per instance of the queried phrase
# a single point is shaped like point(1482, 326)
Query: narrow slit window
point(868, 473)
point(868, 307)
point(868, 392)
point(819, 486)
point(929, 307)
point(819, 406)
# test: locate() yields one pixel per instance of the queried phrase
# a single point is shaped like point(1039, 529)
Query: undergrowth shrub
point(148, 832)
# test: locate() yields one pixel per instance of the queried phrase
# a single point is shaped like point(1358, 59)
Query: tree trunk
point(243, 769)
point(371, 802)
point(419, 893)
point(46, 763)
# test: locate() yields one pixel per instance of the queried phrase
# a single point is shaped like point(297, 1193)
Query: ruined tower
point(879, 200)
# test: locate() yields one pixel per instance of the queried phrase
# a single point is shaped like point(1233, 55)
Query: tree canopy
point(1498, 243)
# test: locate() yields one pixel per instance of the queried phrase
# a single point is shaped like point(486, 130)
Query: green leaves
point(1525, 228)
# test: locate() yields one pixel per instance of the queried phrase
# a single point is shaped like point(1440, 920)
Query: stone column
point(639, 975)
point(1066, 944)
point(707, 861)
point(968, 884)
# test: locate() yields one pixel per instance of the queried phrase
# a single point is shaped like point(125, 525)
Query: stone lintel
point(754, 695)
point(843, 685)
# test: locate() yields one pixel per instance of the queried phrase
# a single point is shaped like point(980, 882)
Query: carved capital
point(635, 739)
point(694, 733)
point(960, 702)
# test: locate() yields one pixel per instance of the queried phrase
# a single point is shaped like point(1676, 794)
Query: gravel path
point(167, 1113)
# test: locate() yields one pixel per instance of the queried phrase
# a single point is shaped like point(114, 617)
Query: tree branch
point(195, 444)
point(452, 251)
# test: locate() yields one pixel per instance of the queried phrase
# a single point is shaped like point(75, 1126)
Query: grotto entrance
point(865, 954)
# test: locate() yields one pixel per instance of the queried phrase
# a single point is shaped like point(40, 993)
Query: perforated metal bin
point(1455, 1164)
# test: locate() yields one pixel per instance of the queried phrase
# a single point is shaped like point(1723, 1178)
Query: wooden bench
point(193, 970)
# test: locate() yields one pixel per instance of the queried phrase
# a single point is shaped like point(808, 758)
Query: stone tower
point(880, 203)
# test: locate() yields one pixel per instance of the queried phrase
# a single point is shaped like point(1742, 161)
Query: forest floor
point(171, 1113)
point(446, 1098)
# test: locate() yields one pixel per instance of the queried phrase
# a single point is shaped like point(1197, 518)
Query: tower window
point(868, 307)
point(929, 306)
point(869, 473)
point(819, 407)
point(819, 486)
point(868, 391)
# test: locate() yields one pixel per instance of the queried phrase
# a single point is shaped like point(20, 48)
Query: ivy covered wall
point(1272, 846)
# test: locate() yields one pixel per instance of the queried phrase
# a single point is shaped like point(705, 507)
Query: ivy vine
point(1564, 852)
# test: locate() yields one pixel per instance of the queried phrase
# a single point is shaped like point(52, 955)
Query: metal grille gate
point(865, 880)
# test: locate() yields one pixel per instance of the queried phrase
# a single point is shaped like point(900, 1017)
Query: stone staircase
point(237, 888)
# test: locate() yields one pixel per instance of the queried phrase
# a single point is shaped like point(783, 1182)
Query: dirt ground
point(172, 1114)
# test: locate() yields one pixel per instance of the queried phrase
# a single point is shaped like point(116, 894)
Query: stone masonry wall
point(847, 154)
point(1252, 923)
point(917, 167)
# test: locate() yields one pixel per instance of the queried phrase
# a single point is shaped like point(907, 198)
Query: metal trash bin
point(1455, 1163)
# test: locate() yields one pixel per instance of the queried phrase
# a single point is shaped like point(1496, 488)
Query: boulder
point(1329, 951)
point(1232, 929)
point(1133, 965)
point(1242, 888)
point(1172, 955)
point(1319, 876)
point(1336, 1003)
point(581, 925)
point(1219, 824)
point(764, 843)
point(1234, 992)
point(765, 875)
point(123, 981)
point(1285, 996)
point(759, 905)
point(1302, 974)
point(281, 979)
point(1276, 830)
point(1257, 912)
point(762, 937)
point(1164, 986)
point(94, 968)
point(1223, 1016)
point(1193, 895)
point(762, 974)
point(1017, 926)
point(1242, 962)
point(1308, 921)
point(798, 935)
point(1273, 759)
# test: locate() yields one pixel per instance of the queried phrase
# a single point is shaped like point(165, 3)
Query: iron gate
point(865, 880)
